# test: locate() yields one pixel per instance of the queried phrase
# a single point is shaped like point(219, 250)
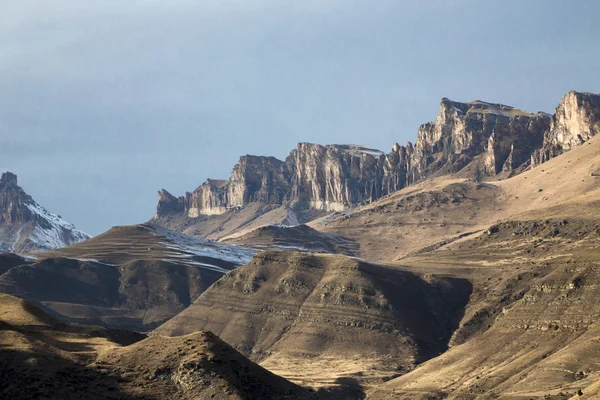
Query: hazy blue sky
point(104, 102)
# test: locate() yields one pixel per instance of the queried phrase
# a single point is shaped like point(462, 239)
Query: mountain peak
point(8, 178)
point(25, 226)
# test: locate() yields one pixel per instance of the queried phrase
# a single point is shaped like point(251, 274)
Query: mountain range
point(463, 266)
point(475, 139)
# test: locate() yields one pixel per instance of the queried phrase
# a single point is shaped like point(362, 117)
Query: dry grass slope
point(320, 319)
point(43, 358)
point(442, 210)
point(299, 237)
point(530, 329)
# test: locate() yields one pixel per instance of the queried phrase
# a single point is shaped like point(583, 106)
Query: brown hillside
point(424, 216)
point(198, 366)
point(133, 277)
point(530, 328)
point(317, 319)
point(43, 358)
point(299, 237)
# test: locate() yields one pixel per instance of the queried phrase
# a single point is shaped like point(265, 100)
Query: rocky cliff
point(330, 178)
point(25, 226)
point(576, 120)
point(503, 137)
point(477, 138)
point(335, 177)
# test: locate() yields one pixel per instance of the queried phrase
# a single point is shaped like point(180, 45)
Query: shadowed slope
point(130, 277)
point(9, 260)
point(43, 358)
point(199, 366)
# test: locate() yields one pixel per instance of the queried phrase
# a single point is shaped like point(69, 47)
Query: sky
point(104, 102)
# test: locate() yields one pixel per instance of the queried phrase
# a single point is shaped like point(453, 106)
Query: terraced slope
point(124, 244)
point(323, 319)
point(298, 237)
point(528, 267)
point(530, 329)
point(130, 277)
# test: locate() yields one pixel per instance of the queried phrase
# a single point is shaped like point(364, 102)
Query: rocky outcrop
point(330, 178)
point(169, 203)
point(12, 201)
point(576, 120)
point(25, 226)
point(254, 179)
point(336, 177)
point(477, 138)
point(212, 197)
point(502, 136)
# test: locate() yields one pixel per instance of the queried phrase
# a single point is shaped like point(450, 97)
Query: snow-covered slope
point(194, 248)
point(58, 233)
point(26, 226)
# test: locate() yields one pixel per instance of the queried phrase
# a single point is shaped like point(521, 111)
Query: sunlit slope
point(318, 318)
point(441, 210)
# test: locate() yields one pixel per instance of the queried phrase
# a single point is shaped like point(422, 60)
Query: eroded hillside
point(316, 319)
point(435, 212)
point(530, 328)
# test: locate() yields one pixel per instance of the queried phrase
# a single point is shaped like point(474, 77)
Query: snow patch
point(197, 246)
point(355, 148)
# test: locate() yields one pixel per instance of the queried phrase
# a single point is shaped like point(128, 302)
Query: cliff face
point(576, 120)
point(490, 138)
point(25, 226)
point(254, 179)
point(335, 177)
point(503, 136)
point(330, 178)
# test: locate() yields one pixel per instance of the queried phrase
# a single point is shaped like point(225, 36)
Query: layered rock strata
point(576, 120)
point(482, 139)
